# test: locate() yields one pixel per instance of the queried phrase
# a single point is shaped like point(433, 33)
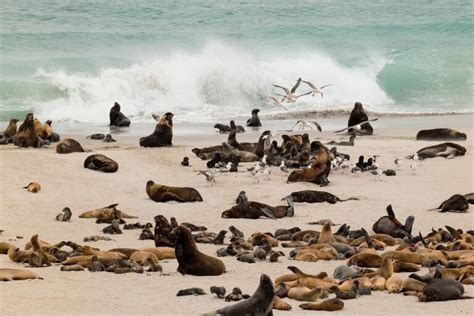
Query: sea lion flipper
point(267, 212)
point(112, 205)
point(390, 212)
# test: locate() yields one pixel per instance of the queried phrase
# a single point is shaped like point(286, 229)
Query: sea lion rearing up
point(163, 193)
point(447, 150)
point(162, 135)
point(117, 118)
point(260, 303)
point(358, 116)
point(254, 121)
point(27, 135)
point(101, 163)
point(9, 132)
point(319, 171)
point(311, 196)
point(68, 146)
point(191, 260)
point(389, 225)
point(440, 134)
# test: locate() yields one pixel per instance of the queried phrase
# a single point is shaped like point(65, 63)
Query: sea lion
point(68, 145)
point(17, 274)
point(117, 118)
point(109, 212)
point(5, 246)
point(95, 265)
point(442, 290)
point(365, 259)
point(255, 210)
point(440, 134)
point(145, 258)
point(65, 216)
point(302, 293)
point(394, 284)
point(33, 187)
point(109, 139)
point(113, 229)
point(162, 135)
point(185, 162)
point(254, 121)
point(190, 259)
point(332, 304)
point(456, 203)
point(447, 150)
point(318, 172)
point(311, 196)
point(38, 257)
point(75, 267)
point(163, 193)
point(391, 226)
point(218, 290)
point(236, 295)
point(223, 129)
point(27, 135)
point(101, 163)
point(163, 232)
point(191, 291)
point(280, 304)
point(358, 116)
point(260, 303)
point(162, 253)
point(10, 131)
point(326, 237)
point(343, 295)
point(97, 136)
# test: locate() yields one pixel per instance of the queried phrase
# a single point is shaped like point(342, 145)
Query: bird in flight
point(314, 89)
point(289, 96)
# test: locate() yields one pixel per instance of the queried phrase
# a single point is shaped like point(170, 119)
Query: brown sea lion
point(101, 163)
point(326, 236)
point(389, 225)
point(163, 193)
point(260, 303)
point(89, 251)
point(162, 135)
point(85, 261)
point(255, 210)
point(72, 268)
point(65, 215)
point(5, 246)
point(329, 305)
point(10, 131)
point(38, 257)
point(26, 135)
point(117, 118)
point(17, 274)
point(358, 116)
point(95, 265)
point(394, 284)
point(126, 251)
point(318, 172)
point(311, 196)
point(447, 150)
point(440, 134)
point(33, 187)
point(145, 258)
point(280, 304)
point(442, 290)
point(302, 293)
point(191, 260)
point(109, 212)
point(456, 203)
point(365, 259)
point(254, 121)
point(68, 145)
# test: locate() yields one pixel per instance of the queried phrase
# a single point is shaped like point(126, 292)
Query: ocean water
point(208, 60)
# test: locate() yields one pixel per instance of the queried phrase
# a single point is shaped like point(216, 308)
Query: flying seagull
point(314, 89)
point(278, 103)
point(290, 96)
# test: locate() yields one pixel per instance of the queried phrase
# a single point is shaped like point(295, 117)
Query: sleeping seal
point(254, 121)
point(447, 150)
point(101, 163)
point(389, 225)
point(440, 134)
point(162, 193)
point(456, 203)
point(310, 196)
point(260, 303)
point(117, 118)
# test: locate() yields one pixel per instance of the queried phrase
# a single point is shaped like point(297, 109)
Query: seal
point(101, 163)
point(280, 304)
point(456, 203)
point(95, 265)
point(224, 129)
point(311, 196)
point(109, 212)
point(440, 134)
point(332, 304)
point(33, 187)
point(365, 259)
point(27, 135)
point(255, 210)
point(191, 260)
point(343, 295)
point(254, 121)
point(163, 193)
point(65, 216)
point(162, 135)
point(117, 118)
point(109, 139)
point(318, 172)
point(446, 150)
point(69, 145)
point(358, 116)
point(113, 228)
point(10, 131)
point(97, 136)
point(218, 290)
point(260, 303)
point(302, 293)
point(440, 289)
point(17, 274)
point(191, 291)
point(389, 225)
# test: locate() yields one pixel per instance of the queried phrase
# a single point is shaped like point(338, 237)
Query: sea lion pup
point(191, 291)
point(145, 258)
point(223, 129)
point(302, 293)
point(260, 303)
point(27, 135)
point(95, 265)
point(113, 228)
point(17, 274)
point(456, 203)
point(358, 116)
point(326, 237)
point(65, 216)
point(109, 139)
point(255, 210)
point(329, 305)
point(162, 135)
point(117, 118)
point(191, 260)
point(10, 131)
point(162, 253)
point(185, 162)
point(108, 212)
point(163, 193)
point(318, 172)
point(440, 134)
point(254, 121)
point(68, 145)
point(439, 289)
point(96, 136)
point(343, 295)
point(446, 150)
point(33, 187)
point(344, 143)
point(311, 196)
point(101, 163)
point(218, 290)
point(391, 226)
point(38, 257)
point(162, 233)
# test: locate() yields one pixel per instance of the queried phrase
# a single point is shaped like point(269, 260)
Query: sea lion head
point(227, 213)
point(255, 111)
point(48, 122)
point(116, 107)
point(358, 107)
point(30, 119)
point(266, 284)
point(315, 145)
point(13, 121)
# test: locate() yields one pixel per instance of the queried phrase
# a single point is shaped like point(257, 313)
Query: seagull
point(283, 167)
point(210, 177)
point(314, 89)
point(413, 167)
point(302, 124)
point(357, 127)
point(398, 162)
point(278, 103)
point(290, 95)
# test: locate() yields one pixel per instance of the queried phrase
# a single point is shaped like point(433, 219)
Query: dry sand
point(66, 183)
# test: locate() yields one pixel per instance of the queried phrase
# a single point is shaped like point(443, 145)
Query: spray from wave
point(219, 81)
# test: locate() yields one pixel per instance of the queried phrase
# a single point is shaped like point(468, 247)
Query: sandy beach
point(65, 182)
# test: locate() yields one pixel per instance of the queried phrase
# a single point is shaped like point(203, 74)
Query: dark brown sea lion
point(469, 198)
point(456, 203)
point(65, 216)
point(218, 290)
point(191, 291)
point(440, 134)
point(311, 196)
point(319, 171)
point(162, 135)
point(117, 118)
point(97, 136)
point(254, 121)
point(113, 228)
point(17, 274)
point(447, 150)
point(440, 289)
point(191, 260)
point(358, 116)
point(260, 303)
point(329, 305)
point(10, 132)
point(101, 163)
point(255, 210)
point(68, 145)
point(162, 233)
point(109, 139)
point(163, 193)
point(27, 135)
point(223, 129)
point(391, 226)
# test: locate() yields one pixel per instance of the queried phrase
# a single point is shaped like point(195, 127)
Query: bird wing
point(304, 94)
point(296, 85)
point(317, 126)
point(310, 84)
point(326, 85)
point(274, 100)
point(285, 89)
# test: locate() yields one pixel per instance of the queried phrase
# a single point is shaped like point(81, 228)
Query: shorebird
point(278, 103)
point(357, 127)
point(210, 177)
point(398, 162)
point(290, 96)
point(302, 124)
point(314, 89)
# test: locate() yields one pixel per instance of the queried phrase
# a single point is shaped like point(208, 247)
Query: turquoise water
point(70, 60)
